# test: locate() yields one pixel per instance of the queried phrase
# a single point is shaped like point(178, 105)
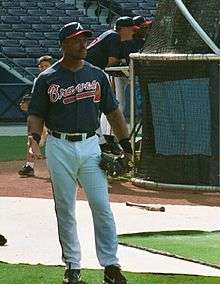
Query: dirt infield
point(120, 191)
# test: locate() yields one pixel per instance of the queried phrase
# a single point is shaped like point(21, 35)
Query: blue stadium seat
point(74, 13)
point(10, 3)
point(51, 35)
point(36, 12)
point(34, 35)
point(67, 19)
point(21, 27)
point(14, 51)
point(15, 35)
point(87, 20)
point(49, 19)
point(2, 35)
point(48, 42)
point(55, 52)
point(25, 62)
point(36, 51)
point(28, 4)
point(42, 27)
point(30, 19)
point(5, 27)
point(46, 5)
point(29, 42)
point(9, 42)
point(56, 27)
point(56, 13)
point(10, 19)
point(17, 12)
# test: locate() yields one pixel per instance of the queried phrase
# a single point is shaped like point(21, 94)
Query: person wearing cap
point(103, 52)
point(69, 97)
point(27, 169)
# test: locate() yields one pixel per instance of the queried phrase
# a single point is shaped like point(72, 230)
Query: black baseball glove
point(114, 165)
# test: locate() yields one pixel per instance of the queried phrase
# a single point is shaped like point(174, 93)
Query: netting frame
point(148, 58)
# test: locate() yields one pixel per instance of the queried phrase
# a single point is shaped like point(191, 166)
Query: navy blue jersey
point(72, 101)
point(130, 46)
point(104, 46)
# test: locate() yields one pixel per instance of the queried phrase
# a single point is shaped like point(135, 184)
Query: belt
point(73, 137)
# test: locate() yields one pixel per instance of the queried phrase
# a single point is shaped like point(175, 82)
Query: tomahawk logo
point(75, 93)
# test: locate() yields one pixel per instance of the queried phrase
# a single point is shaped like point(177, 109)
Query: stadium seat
point(56, 13)
point(55, 52)
point(17, 12)
point(46, 5)
point(21, 27)
point(25, 62)
point(28, 4)
point(14, 51)
point(36, 12)
point(30, 19)
point(49, 20)
point(42, 27)
point(34, 35)
point(9, 42)
point(48, 43)
point(29, 42)
point(10, 19)
point(67, 19)
point(10, 4)
point(51, 35)
point(36, 51)
point(2, 35)
point(15, 35)
point(5, 27)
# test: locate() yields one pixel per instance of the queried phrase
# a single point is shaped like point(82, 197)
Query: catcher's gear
point(3, 240)
point(115, 165)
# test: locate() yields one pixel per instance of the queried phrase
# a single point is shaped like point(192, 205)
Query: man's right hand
point(34, 148)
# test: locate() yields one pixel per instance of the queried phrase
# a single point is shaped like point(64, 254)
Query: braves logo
point(75, 93)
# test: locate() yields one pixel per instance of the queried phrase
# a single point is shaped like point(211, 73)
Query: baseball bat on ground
point(146, 207)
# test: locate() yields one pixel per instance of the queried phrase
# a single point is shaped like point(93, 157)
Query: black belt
point(71, 137)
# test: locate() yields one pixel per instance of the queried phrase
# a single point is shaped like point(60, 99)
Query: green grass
point(198, 245)
point(13, 148)
point(39, 274)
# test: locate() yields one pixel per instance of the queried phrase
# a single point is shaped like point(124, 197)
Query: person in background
point(27, 169)
point(104, 51)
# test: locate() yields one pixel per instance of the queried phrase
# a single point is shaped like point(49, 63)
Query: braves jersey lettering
point(73, 94)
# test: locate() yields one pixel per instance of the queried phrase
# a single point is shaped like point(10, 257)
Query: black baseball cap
point(141, 21)
point(125, 21)
point(73, 29)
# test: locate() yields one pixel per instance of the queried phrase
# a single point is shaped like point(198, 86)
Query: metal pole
point(132, 101)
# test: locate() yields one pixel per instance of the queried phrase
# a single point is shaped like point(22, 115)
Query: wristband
point(126, 145)
point(36, 137)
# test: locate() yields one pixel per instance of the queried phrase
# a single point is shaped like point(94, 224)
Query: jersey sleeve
point(39, 101)
point(109, 102)
point(114, 45)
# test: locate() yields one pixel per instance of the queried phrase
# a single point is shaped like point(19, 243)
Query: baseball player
point(104, 51)
point(69, 97)
point(27, 169)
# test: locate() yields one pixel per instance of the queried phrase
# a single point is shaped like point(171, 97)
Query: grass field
point(198, 245)
point(39, 274)
point(12, 148)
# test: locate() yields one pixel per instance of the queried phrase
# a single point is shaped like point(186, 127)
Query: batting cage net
point(180, 88)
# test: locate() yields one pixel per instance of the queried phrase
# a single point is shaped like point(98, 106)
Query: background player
point(27, 169)
point(69, 97)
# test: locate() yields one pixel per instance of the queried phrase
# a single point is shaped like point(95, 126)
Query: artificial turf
point(39, 274)
point(197, 245)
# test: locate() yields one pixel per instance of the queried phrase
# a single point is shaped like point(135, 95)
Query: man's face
point(75, 47)
point(44, 65)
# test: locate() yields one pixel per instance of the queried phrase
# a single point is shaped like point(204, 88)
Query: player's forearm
point(118, 124)
point(35, 124)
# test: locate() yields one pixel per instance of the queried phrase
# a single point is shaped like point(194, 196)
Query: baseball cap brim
point(85, 32)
